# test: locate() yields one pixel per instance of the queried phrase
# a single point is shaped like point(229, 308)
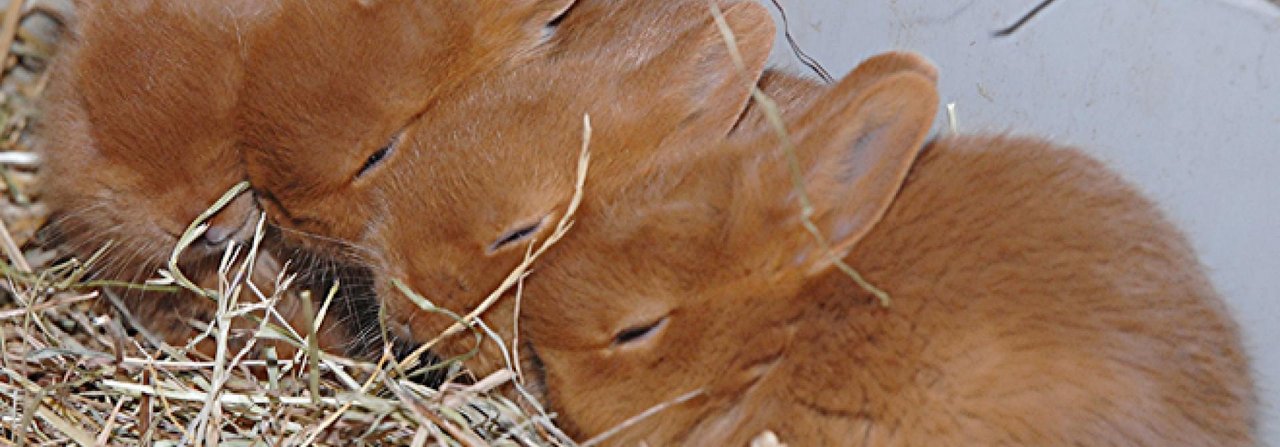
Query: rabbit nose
point(218, 234)
point(231, 223)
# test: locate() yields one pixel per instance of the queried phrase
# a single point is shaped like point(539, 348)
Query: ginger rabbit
point(1037, 298)
point(138, 139)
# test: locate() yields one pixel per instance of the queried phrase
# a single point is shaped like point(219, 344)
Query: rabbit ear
point(854, 147)
point(859, 156)
point(705, 80)
point(883, 65)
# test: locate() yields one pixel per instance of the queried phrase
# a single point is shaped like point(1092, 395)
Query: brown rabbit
point(137, 137)
point(1037, 298)
point(137, 143)
point(138, 140)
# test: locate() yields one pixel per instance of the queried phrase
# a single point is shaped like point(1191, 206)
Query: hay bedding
point(76, 372)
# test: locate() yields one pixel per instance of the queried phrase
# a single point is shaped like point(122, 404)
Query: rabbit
point(136, 144)
point(1036, 297)
point(138, 139)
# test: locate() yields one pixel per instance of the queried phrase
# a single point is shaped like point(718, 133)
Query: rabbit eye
point(377, 157)
point(638, 333)
point(516, 235)
point(555, 22)
point(553, 25)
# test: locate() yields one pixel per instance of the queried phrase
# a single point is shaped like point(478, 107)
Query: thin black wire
point(1005, 32)
point(804, 58)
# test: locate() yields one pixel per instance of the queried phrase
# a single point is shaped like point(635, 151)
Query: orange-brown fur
point(137, 134)
point(475, 193)
point(138, 140)
point(175, 106)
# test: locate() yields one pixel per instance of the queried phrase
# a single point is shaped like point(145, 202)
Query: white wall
point(1182, 96)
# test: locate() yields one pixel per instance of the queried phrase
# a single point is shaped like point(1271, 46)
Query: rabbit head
point(138, 137)
point(138, 140)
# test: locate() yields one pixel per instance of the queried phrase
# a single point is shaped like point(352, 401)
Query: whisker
point(356, 250)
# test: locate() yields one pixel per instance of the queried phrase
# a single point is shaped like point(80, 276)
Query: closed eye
point(379, 156)
point(638, 333)
point(516, 235)
point(555, 22)
point(553, 25)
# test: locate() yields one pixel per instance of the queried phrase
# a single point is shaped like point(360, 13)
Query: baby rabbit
point(138, 140)
point(1037, 298)
point(137, 136)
